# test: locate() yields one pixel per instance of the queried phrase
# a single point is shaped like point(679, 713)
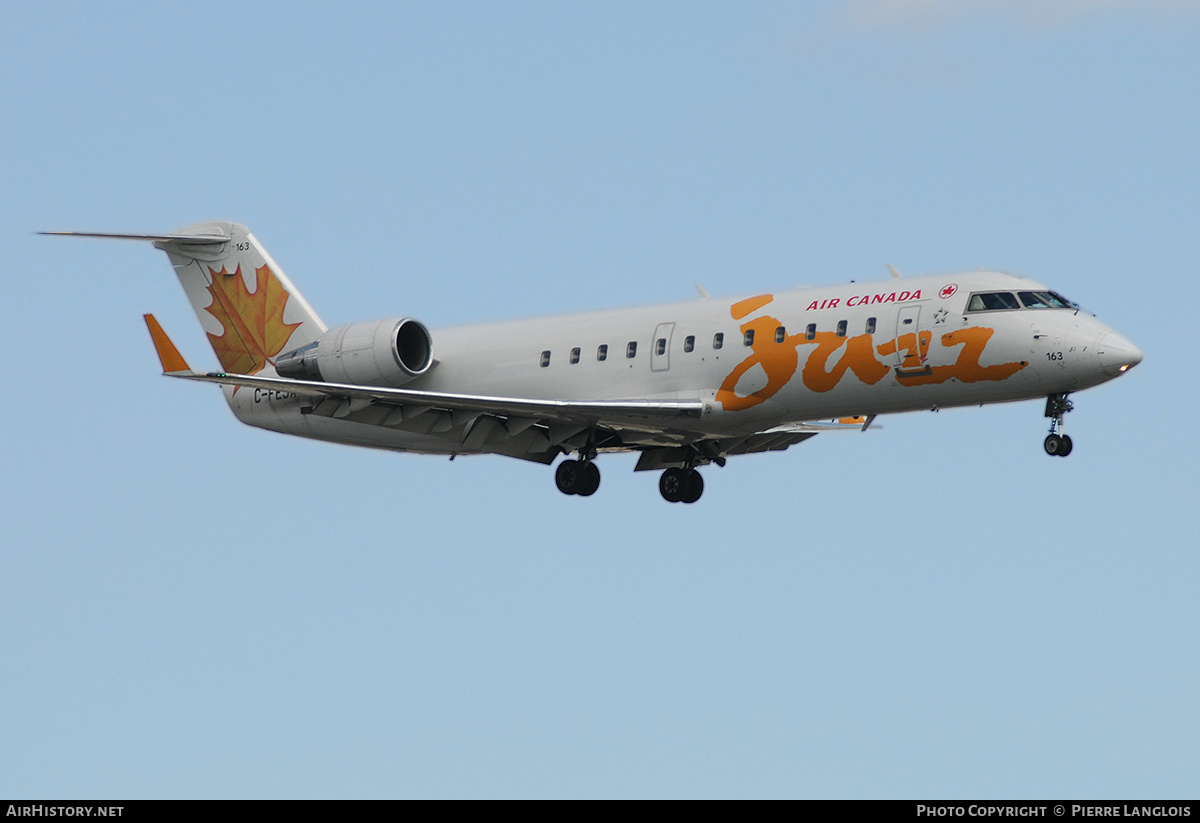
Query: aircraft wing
point(843, 424)
point(777, 438)
point(530, 428)
point(596, 411)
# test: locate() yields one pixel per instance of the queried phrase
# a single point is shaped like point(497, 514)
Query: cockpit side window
point(992, 301)
point(1043, 300)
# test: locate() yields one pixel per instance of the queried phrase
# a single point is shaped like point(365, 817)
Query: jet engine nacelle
point(384, 353)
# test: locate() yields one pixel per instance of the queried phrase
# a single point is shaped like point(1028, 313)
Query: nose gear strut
point(1057, 444)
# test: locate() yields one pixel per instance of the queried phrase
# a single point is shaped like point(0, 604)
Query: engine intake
point(384, 353)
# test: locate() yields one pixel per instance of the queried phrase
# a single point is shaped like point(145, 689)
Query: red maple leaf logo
point(947, 291)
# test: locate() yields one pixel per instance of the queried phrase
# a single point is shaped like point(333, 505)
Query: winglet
point(172, 361)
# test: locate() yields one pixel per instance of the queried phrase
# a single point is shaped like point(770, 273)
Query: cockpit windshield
point(1044, 300)
point(1006, 301)
point(992, 301)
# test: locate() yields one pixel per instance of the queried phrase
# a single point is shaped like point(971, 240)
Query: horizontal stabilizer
point(198, 239)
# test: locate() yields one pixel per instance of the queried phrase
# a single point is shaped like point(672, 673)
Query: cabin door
point(660, 348)
point(912, 348)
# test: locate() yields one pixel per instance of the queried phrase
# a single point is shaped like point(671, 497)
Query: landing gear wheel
point(681, 485)
point(589, 481)
point(1066, 446)
point(1054, 445)
point(577, 477)
point(672, 485)
point(568, 476)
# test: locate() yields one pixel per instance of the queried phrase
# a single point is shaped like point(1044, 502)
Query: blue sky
point(193, 608)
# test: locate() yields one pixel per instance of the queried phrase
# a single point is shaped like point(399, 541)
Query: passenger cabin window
point(841, 328)
point(689, 342)
point(602, 352)
point(545, 358)
point(748, 338)
point(992, 301)
point(574, 355)
point(811, 332)
point(660, 346)
point(718, 340)
point(780, 334)
point(1044, 300)
point(870, 325)
point(631, 349)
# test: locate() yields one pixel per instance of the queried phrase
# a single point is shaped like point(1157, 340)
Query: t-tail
point(246, 304)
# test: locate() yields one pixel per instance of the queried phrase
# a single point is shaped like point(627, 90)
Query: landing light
point(1124, 368)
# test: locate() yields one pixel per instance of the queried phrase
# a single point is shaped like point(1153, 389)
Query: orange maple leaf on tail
point(252, 322)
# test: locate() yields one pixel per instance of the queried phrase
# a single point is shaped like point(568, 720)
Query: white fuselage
point(816, 353)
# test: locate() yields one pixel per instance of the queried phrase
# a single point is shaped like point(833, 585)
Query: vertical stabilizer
point(246, 304)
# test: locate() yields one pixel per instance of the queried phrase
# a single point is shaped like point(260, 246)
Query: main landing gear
point(678, 484)
point(681, 485)
point(1057, 444)
point(579, 477)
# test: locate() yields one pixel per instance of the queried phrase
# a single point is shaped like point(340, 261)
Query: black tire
point(1066, 446)
point(1054, 445)
point(672, 485)
point(589, 480)
point(568, 476)
point(695, 487)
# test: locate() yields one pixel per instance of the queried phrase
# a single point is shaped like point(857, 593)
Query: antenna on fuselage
point(703, 294)
point(895, 274)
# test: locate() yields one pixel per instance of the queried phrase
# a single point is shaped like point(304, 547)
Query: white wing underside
point(533, 429)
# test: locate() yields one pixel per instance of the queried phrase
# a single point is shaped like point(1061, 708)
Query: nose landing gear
point(1057, 444)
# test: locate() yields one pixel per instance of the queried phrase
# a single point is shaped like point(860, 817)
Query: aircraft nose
point(1117, 355)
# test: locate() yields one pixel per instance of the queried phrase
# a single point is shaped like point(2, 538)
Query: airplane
point(685, 384)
